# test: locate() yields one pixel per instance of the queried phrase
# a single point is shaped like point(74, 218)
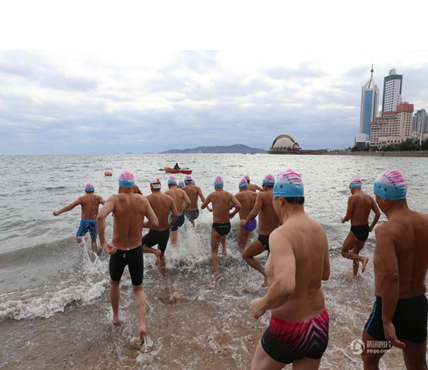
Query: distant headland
point(236, 148)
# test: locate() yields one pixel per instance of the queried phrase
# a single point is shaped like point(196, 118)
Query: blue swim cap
point(218, 182)
point(126, 180)
point(390, 185)
point(269, 180)
point(243, 184)
point(172, 180)
point(288, 184)
point(356, 183)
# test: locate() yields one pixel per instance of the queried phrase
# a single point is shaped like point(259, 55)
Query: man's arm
point(387, 279)
point(201, 195)
point(258, 188)
point(349, 210)
point(206, 202)
point(236, 204)
point(101, 200)
point(187, 201)
point(284, 277)
point(376, 211)
point(150, 214)
point(174, 212)
point(256, 209)
point(69, 207)
point(101, 225)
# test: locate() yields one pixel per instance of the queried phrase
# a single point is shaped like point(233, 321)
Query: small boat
point(182, 170)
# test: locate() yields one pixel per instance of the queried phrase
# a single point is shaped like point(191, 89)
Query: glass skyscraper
point(369, 104)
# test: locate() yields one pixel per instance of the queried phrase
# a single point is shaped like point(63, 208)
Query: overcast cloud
point(59, 103)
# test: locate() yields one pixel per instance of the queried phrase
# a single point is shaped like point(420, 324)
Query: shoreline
point(363, 154)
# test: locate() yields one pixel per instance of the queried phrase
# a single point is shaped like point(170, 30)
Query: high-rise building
point(392, 85)
point(392, 127)
point(420, 121)
point(369, 104)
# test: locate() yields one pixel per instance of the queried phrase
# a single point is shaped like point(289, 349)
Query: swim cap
point(218, 182)
point(355, 183)
point(193, 182)
point(391, 185)
point(155, 183)
point(172, 180)
point(181, 184)
point(243, 184)
point(89, 188)
point(247, 177)
point(188, 179)
point(126, 180)
point(269, 180)
point(288, 184)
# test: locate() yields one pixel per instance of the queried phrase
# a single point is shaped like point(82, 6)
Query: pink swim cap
point(89, 188)
point(126, 180)
point(218, 182)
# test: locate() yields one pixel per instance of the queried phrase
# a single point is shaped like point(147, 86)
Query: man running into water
point(221, 201)
point(268, 222)
point(400, 267)
point(359, 206)
point(193, 192)
point(129, 210)
point(89, 203)
point(182, 202)
point(247, 199)
point(252, 187)
point(297, 264)
point(163, 205)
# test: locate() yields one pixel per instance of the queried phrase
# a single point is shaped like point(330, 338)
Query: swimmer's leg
point(254, 249)
point(215, 241)
point(371, 360)
point(151, 250)
point(174, 238)
point(349, 244)
point(357, 250)
point(223, 243)
point(242, 239)
point(262, 361)
point(114, 299)
point(140, 301)
point(94, 245)
point(162, 263)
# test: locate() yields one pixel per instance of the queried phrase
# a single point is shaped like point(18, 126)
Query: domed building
point(284, 144)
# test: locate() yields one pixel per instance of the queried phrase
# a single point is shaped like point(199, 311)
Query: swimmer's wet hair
point(295, 200)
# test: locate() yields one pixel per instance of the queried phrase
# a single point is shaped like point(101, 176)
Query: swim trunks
point(409, 320)
point(192, 214)
point(133, 258)
point(222, 228)
point(178, 223)
point(88, 225)
point(154, 237)
point(288, 341)
point(264, 239)
point(361, 232)
point(251, 225)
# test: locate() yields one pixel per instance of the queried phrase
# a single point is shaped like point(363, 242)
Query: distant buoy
point(108, 173)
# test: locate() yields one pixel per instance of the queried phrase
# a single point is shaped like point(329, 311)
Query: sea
point(55, 310)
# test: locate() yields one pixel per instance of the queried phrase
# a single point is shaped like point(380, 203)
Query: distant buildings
point(284, 144)
point(369, 104)
point(392, 85)
point(420, 122)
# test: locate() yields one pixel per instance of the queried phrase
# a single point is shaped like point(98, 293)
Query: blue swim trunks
point(88, 225)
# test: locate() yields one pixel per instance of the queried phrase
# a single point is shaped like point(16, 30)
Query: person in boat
point(177, 167)
point(89, 203)
point(360, 204)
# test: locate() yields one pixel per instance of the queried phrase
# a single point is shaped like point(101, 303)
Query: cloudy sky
point(106, 102)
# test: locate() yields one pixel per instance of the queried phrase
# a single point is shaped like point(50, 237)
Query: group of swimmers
point(298, 259)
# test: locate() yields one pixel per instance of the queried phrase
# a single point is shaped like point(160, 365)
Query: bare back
point(179, 197)
point(89, 203)
point(309, 245)
point(407, 235)
point(247, 199)
point(362, 204)
point(221, 202)
point(129, 212)
point(268, 219)
point(162, 205)
point(193, 192)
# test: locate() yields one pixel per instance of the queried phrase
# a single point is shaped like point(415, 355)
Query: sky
point(151, 99)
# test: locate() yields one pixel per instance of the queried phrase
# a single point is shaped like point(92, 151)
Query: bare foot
point(116, 321)
point(217, 276)
point(224, 252)
point(143, 334)
point(158, 257)
point(264, 285)
point(365, 262)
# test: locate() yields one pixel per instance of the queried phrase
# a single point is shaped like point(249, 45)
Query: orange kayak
point(171, 170)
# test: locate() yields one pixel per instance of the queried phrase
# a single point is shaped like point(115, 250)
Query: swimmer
point(247, 199)
point(268, 222)
point(221, 201)
point(89, 203)
point(298, 263)
point(162, 205)
point(181, 184)
point(193, 192)
point(129, 210)
point(252, 187)
point(400, 268)
point(182, 202)
point(359, 206)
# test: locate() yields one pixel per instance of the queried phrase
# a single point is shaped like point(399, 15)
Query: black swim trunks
point(178, 223)
point(154, 237)
point(410, 320)
point(133, 258)
point(361, 232)
point(192, 214)
point(222, 228)
point(264, 239)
